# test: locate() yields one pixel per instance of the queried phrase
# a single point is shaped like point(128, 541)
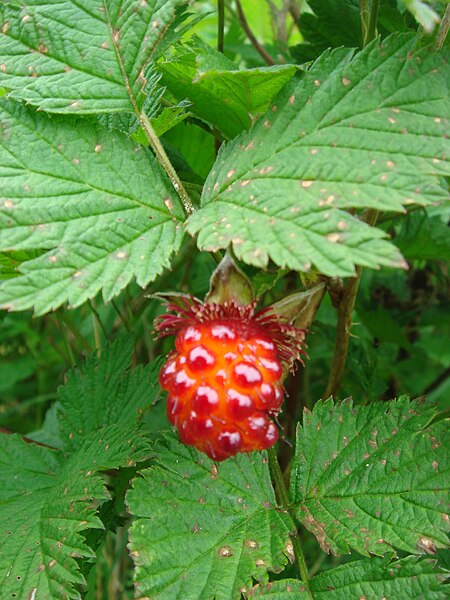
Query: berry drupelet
point(224, 379)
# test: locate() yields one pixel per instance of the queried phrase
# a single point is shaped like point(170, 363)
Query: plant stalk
point(343, 331)
point(220, 24)
point(260, 49)
point(283, 499)
point(164, 160)
point(372, 24)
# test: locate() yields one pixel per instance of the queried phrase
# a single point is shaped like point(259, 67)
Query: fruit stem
point(283, 498)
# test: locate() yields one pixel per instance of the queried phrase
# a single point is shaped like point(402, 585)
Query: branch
point(345, 313)
point(262, 51)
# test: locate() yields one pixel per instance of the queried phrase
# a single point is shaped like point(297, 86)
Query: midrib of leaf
point(322, 127)
point(113, 34)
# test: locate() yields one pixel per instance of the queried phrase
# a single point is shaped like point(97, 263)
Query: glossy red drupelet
point(224, 380)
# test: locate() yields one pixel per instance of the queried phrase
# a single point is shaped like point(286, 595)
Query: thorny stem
point(164, 160)
point(260, 49)
point(443, 29)
point(283, 499)
point(345, 312)
point(220, 24)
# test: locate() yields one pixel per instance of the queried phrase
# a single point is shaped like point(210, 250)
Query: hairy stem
point(220, 24)
point(283, 499)
point(260, 49)
point(163, 159)
point(443, 29)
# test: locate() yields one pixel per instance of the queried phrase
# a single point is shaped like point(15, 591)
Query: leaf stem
point(164, 161)
point(283, 499)
point(443, 29)
point(99, 322)
point(260, 49)
point(220, 24)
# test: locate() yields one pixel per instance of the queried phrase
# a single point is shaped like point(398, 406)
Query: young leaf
point(222, 95)
point(100, 207)
point(81, 56)
point(356, 131)
point(47, 502)
point(372, 477)
point(367, 578)
point(105, 392)
point(202, 530)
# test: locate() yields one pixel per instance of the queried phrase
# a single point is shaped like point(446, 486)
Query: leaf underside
point(356, 131)
point(372, 478)
point(98, 206)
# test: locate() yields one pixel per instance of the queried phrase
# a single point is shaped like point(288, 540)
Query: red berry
point(224, 380)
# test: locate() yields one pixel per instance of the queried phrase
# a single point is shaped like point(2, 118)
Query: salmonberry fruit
point(224, 379)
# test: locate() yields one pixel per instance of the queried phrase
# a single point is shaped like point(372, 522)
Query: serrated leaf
point(46, 503)
point(203, 531)
point(368, 578)
point(373, 477)
point(81, 56)
point(99, 205)
point(104, 391)
point(227, 98)
point(356, 131)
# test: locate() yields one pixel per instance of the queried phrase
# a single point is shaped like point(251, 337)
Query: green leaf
point(368, 578)
point(47, 502)
point(196, 146)
point(220, 94)
point(372, 477)
point(332, 23)
point(223, 527)
point(334, 139)
point(81, 56)
point(100, 206)
point(423, 237)
point(105, 391)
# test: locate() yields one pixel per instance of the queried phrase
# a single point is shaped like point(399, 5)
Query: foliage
point(315, 149)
